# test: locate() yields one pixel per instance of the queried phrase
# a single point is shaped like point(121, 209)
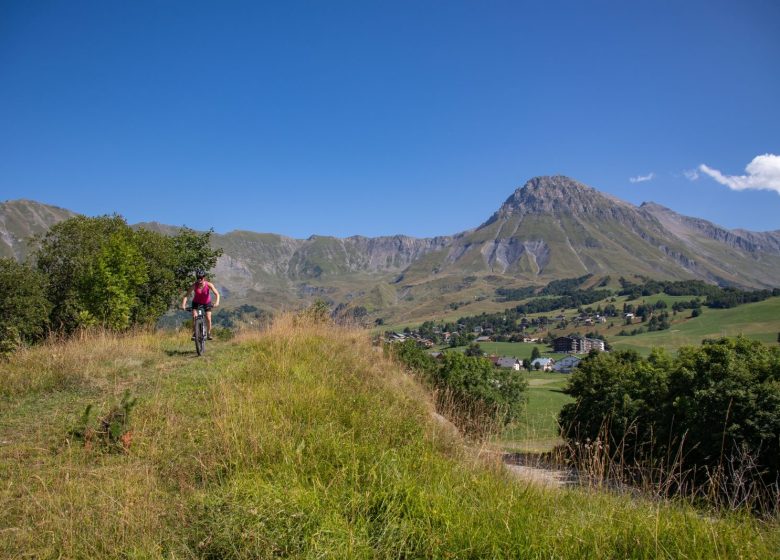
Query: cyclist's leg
point(208, 321)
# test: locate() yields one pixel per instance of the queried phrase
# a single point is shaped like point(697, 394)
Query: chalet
point(545, 364)
point(482, 339)
point(509, 363)
point(565, 365)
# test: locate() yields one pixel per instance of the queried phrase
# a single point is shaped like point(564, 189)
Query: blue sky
point(375, 118)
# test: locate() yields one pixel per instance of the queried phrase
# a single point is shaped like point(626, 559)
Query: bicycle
point(200, 329)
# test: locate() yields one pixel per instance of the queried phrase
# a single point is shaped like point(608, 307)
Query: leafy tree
point(535, 353)
point(474, 350)
point(725, 395)
point(101, 271)
point(67, 255)
point(24, 309)
point(192, 251)
point(109, 286)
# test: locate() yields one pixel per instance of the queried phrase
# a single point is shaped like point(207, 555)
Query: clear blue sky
point(373, 118)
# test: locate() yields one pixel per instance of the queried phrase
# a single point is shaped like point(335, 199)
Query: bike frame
point(200, 329)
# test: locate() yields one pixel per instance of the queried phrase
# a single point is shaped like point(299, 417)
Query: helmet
point(200, 273)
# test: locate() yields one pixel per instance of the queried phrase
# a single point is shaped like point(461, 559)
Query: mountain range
point(551, 228)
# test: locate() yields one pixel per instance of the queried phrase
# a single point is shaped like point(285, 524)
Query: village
point(437, 340)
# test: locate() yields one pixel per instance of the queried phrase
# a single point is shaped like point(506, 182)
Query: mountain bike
point(200, 329)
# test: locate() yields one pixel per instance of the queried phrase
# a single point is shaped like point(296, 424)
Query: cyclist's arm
point(216, 293)
point(184, 300)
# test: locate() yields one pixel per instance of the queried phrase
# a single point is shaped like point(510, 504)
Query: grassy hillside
point(757, 321)
point(302, 442)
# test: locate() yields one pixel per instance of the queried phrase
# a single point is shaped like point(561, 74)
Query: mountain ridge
point(550, 228)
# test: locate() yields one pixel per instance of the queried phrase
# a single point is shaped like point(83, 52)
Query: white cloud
point(642, 178)
point(691, 174)
point(762, 173)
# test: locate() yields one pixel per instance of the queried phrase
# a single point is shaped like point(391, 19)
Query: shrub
point(24, 309)
point(102, 271)
point(111, 432)
point(472, 384)
point(712, 410)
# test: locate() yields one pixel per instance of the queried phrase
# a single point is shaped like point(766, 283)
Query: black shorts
point(206, 306)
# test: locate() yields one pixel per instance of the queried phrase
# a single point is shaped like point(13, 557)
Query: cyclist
point(201, 295)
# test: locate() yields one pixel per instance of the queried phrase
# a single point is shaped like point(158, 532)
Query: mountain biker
point(201, 295)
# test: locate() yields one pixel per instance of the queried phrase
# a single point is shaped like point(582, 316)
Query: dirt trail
point(530, 468)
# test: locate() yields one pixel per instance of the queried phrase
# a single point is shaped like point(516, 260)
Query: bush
point(100, 271)
point(111, 432)
point(715, 408)
point(24, 309)
point(473, 383)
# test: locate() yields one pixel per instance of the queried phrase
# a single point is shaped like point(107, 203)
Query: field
point(302, 442)
point(538, 430)
point(758, 321)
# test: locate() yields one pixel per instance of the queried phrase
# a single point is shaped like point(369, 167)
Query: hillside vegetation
point(300, 442)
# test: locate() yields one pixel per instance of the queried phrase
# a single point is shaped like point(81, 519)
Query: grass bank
point(302, 442)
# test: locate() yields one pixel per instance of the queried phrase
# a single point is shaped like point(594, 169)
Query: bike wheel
point(203, 336)
point(199, 338)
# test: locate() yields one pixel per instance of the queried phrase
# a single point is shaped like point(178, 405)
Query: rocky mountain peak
point(555, 195)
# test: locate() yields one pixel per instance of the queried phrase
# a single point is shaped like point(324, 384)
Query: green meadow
point(758, 321)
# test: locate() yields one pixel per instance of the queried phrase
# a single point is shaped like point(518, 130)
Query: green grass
point(757, 321)
point(303, 442)
point(537, 430)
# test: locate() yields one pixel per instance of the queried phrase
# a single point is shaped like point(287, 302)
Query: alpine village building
point(577, 344)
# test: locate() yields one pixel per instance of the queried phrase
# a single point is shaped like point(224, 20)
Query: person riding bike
point(201, 291)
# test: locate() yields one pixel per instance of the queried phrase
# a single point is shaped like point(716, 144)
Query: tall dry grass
point(60, 364)
point(737, 483)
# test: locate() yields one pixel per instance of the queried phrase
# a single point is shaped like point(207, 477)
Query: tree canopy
point(709, 406)
point(24, 309)
point(100, 271)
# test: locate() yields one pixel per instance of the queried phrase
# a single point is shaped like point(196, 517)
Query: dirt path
point(529, 468)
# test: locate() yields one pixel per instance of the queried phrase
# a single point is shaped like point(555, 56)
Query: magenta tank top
point(202, 295)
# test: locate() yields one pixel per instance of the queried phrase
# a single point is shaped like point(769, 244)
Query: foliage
point(709, 404)
point(317, 312)
point(468, 378)
point(243, 314)
point(101, 271)
point(717, 297)
point(111, 432)
point(565, 286)
point(24, 309)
